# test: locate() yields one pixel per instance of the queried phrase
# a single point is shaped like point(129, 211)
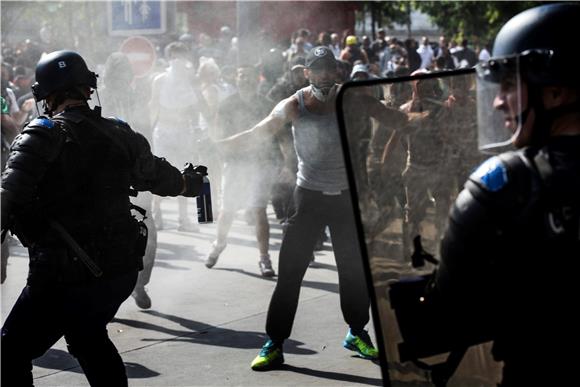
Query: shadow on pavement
point(170, 251)
point(321, 265)
point(57, 359)
point(326, 286)
point(333, 375)
point(137, 371)
point(200, 333)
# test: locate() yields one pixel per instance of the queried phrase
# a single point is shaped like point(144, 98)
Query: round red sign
point(141, 54)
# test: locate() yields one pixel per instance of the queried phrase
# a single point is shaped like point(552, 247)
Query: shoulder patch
point(41, 121)
point(492, 174)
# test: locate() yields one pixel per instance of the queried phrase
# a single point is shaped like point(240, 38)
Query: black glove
point(193, 179)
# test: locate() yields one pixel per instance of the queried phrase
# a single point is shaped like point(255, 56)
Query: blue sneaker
point(361, 344)
point(271, 356)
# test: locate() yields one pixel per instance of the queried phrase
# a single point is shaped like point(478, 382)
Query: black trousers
point(314, 211)
point(80, 313)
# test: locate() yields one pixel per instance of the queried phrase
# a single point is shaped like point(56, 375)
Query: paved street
point(206, 326)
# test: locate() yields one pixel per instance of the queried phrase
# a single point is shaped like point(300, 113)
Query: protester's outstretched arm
point(290, 159)
point(388, 117)
point(264, 130)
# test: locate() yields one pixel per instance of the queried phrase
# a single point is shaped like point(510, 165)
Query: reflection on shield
point(404, 180)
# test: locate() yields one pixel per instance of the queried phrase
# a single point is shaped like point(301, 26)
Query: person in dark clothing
point(65, 194)
point(512, 245)
point(292, 81)
point(413, 57)
point(9, 132)
point(464, 56)
point(272, 68)
point(322, 199)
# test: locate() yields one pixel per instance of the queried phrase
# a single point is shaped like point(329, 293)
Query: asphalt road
point(206, 325)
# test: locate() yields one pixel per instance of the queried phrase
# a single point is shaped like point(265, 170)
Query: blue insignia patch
point(492, 174)
point(42, 122)
point(120, 121)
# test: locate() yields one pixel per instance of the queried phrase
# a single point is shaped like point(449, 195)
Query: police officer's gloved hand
point(193, 179)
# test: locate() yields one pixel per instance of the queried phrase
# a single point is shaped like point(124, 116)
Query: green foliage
point(478, 21)
point(391, 12)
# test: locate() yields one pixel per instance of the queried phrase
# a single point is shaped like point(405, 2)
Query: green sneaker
point(271, 356)
point(361, 344)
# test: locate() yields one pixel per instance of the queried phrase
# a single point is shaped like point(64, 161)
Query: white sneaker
point(214, 254)
point(266, 267)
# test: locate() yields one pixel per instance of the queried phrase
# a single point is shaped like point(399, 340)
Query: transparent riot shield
point(404, 177)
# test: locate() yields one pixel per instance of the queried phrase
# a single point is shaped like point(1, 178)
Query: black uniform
point(512, 249)
point(74, 172)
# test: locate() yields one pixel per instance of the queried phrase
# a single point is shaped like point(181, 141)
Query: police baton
point(69, 240)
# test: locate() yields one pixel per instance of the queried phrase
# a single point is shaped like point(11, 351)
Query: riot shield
point(404, 178)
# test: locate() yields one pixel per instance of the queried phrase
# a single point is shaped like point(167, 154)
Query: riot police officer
point(513, 244)
point(65, 194)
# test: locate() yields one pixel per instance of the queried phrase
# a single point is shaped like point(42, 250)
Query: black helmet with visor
point(533, 47)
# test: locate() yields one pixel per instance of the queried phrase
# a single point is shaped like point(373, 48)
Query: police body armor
point(522, 260)
point(85, 189)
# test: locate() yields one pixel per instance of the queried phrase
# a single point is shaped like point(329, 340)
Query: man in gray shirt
point(321, 199)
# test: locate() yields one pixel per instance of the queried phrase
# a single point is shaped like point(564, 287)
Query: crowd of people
point(190, 92)
point(196, 93)
point(268, 133)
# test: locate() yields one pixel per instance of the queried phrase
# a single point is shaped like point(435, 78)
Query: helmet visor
point(500, 111)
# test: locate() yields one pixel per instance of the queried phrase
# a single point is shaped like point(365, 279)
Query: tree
point(478, 21)
point(392, 12)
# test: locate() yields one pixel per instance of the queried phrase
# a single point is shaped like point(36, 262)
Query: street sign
point(137, 17)
point(141, 54)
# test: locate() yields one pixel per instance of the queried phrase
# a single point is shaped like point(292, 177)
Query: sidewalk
point(206, 325)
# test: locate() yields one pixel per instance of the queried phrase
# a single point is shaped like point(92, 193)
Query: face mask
point(320, 94)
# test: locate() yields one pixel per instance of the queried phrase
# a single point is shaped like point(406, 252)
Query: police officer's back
point(513, 242)
point(65, 194)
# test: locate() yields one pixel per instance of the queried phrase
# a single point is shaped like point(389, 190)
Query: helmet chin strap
point(46, 109)
point(545, 117)
point(542, 123)
point(523, 117)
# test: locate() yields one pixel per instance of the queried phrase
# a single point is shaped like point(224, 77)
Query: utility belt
point(104, 252)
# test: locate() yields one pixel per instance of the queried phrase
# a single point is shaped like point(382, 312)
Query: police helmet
point(532, 48)
point(61, 71)
point(536, 43)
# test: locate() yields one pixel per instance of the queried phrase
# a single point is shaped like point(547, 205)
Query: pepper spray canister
point(204, 211)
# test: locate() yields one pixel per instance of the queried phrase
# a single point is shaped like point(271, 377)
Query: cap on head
point(61, 71)
point(320, 57)
point(297, 63)
point(359, 68)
